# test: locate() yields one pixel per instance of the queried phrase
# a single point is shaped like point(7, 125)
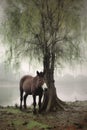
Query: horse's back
point(27, 84)
point(23, 79)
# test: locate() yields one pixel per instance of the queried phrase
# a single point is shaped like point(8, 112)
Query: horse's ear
point(38, 73)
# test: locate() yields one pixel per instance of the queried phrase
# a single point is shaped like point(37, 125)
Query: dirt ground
point(73, 118)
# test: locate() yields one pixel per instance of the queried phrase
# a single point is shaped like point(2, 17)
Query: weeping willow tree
point(47, 30)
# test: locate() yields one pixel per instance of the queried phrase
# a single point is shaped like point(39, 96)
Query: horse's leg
point(34, 103)
point(25, 96)
point(39, 103)
point(21, 98)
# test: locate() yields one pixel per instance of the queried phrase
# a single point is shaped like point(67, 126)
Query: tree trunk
point(50, 101)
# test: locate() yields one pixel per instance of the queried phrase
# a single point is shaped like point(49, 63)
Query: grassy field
point(73, 118)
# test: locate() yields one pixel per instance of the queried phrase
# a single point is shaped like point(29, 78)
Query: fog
point(69, 87)
point(71, 84)
point(67, 90)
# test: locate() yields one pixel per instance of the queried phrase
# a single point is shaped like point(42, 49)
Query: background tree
point(47, 30)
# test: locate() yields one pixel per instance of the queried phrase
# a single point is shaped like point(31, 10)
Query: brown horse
point(32, 86)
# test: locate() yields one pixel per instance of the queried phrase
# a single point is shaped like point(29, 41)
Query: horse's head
point(40, 76)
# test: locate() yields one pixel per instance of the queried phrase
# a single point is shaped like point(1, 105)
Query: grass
point(22, 120)
point(11, 118)
point(30, 125)
point(10, 110)
point(34, 124)
point(13, 110)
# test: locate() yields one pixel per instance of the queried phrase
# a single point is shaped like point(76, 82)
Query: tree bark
point(50, 101)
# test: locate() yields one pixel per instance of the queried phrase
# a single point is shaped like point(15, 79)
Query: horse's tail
point(21, 93)
point(21, 86)
point(21, 89)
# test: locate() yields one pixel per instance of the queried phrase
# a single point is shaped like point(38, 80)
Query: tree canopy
point(38, 27)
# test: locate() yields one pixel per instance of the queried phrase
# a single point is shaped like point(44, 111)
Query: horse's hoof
point(34, 112)
point(25, 107)
point(20, 108)
point(39, 111)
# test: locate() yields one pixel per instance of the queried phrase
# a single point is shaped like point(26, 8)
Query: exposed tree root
point(51, 102)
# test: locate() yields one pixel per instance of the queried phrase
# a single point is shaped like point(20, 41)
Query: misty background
point(69, 87)
point(71, 84)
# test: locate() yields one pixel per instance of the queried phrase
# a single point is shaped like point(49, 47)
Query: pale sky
point(78, 70)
